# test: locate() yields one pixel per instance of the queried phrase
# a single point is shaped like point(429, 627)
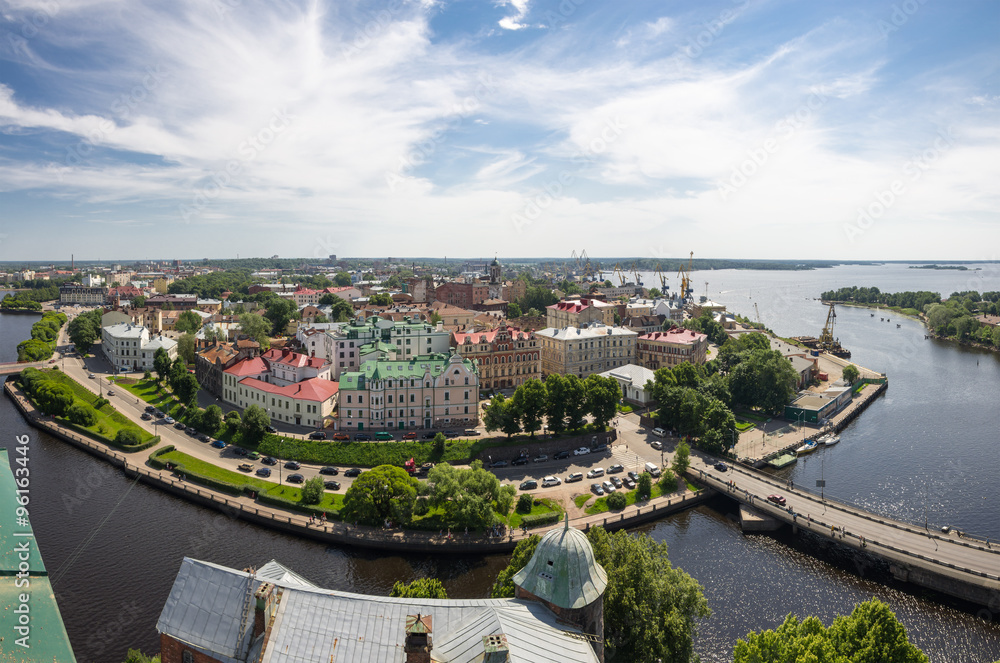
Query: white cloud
point(515, 22)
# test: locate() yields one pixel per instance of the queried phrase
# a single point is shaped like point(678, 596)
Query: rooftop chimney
point(263, 608)
point(495, 649)
point(417, 645)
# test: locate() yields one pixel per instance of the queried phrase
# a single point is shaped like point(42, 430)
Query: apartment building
point(581, 351)
point(506, 356)
point(131, 348)
point(669, 348)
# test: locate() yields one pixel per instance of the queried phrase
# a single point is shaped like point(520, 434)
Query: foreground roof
point(563, 570)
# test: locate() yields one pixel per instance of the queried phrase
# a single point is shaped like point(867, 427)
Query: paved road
point(882, 536)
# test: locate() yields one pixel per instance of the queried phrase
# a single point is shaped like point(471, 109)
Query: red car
point(410, 436)
point(777, 499)
point(341, 436)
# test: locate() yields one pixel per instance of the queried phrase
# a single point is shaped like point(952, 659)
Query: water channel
point(930, 446)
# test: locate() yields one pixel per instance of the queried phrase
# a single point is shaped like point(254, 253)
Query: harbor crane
point(658, 273)
point(635, 272)
point(620, 274)
point(685, 276)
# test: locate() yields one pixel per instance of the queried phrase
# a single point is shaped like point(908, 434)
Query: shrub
point(312, 491)
point(541, 519)
point(524, 503)
point(82, 414)
point(644, 487)
point(617, 500)
point(100, 402)
point(421, 507)
point(127, 437)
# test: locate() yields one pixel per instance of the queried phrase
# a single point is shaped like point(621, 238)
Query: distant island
point(961, 268)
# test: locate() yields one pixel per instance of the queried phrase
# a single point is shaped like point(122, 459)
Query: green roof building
point(30, 622)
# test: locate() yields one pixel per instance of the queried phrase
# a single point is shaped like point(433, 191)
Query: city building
point(211, 361)
point(579, 312)
point(131, 348)
point(454, 318)
point(411, 337)
point(75, 293)
point(632, 380)
point(288, 367)
point(306, 403)
point(174, 302)
point(644, 324)
point(33, 629)
point(215, 614)
point(462, 295)
point(92, 281)
point(616, 292)
point(582, 351)
point(506, 356)
point(666, 349)
point(425, 391)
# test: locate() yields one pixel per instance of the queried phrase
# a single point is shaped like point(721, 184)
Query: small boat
point(873, 315)
point(881, 319)
point(831, 440)
point(809, 447)
point(898, 325)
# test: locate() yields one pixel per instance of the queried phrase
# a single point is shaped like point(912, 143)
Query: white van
point(653, 469)
point(659, 432)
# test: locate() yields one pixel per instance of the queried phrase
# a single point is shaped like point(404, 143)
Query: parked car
point(91, 376)
point(540, 458)
point(596, 472)
point(616, 468)
point(295, 478)
point(271, 429)
point(269, 460)
point(206, 438)
point(410, 436)
point(529, 484)
point(656, 444)
point(150, 409)
point(574, 477)
point(168, 420)
point(341, 436)
point(253, 455)
point(190, 430)
point(219, 444)
point(264, 472)
point(158, 414)
point(146, 416)
point(353, 472)
point(451, 434)
point(317, 435)
point(240, 451)
point(616, 482)
point(472, 432)
point(550, 481)
point(292, 465)
point(634, 476)
point(628, 483)
point(561, 455)
point(178, 425)
point(608, 487)
point(596, 487)
point(362, 437)
point(777, 499)
point(429, 435)
point(582, 451)
point(599, 449)
point(499, 463)
point(246, 467)
point(332, 471)
point(331, 485)
point(383, 435)
point(659, 432)
point(520, 460)
point(722, 467)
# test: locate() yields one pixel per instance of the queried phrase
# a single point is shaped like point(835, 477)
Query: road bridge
point(7, 369)
point(950, 563)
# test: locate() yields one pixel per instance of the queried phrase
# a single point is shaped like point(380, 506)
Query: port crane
point(663, 279)
point(685, 276)
point(635, 272)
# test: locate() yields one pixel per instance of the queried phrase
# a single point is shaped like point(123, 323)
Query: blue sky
point(731, 128)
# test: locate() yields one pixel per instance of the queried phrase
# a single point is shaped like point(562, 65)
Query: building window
point(187, 657)
point(446, 396)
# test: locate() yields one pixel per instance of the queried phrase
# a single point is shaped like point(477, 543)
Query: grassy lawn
point(601, 505)
point(744, 426)
point(146, 391)
point(580, 500)
point(540, 507)
point(109, 420)
point(752, 416)
point(198, 467)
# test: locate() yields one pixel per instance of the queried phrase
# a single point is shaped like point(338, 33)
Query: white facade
point(582, 351)
point(130, 348)
point(411, 338)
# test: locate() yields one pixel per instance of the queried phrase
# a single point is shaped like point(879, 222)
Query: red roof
point(301, 290)
point(254, 366)
point(675, 335)
point(570, 307)
point(288, 357)
point(313, 389)
point(488, 336)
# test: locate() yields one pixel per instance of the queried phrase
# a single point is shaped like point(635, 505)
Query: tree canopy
point(255, 327)
point(870, 634)
point(383, 493)
point(254, 423)
point(421, 588)
point(188, 321)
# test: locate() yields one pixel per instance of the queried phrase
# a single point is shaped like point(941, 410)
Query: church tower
point(496, 280)
point(563, 576)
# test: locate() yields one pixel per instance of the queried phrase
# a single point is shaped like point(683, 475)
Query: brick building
point(506, 356)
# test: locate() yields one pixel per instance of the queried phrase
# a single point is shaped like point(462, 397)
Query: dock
point(781, 461)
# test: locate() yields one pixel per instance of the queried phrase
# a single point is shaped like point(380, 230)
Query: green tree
point(870, 634)
point(279, 312)
point(232, 419)
point(514, 310)
point(465, 495)
point(617, 500)
point(186, 347)
point(54, 398)
point(655, 293)
point(312, 490)
point(763, 379)
point(342, 279)
point(644, 487)
point(33, 350)
point(81, 414)
point(529, 403)
point(211, 419)
point(682, 459)
point(256, 327)
point(525, 503)
point(187, 388)
point(421, 588)
point(161, 364)
point(380, 299)
point(850, 373)
point(341, 309)
point(254, 424)
point(650, 608)
point(128, 437)
point(576, 402)
point(555, 404)
point(83, 332)
point(503, 586)
point(603, 395)
point(138, 301)
point(385, 492)
point(178, 369)
point(500, 415)
point(136, 656)
point(188, 322)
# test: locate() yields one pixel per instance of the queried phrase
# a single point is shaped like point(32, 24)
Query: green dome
point(563, 571)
